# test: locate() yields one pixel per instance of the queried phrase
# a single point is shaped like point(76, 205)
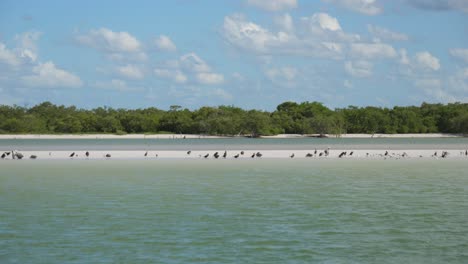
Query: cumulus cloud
point(115, 84)
point(273, 5)
point(460, 54)
point(189, 67)
point(8, 57)
point(440, 5)
point(426, 61)
point(49, 76)
point(27, 44)
point(285, 22)
point(372, 50)
point(320, 36)
point(360, 69)
point(130, 71)
point(164, 43)
point(110, 41)
point(386, 34)
point(367, 7)
point(174, 75)
point(284, 76)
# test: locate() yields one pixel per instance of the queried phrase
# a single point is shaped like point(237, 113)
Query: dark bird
point(315, 151)
point(351, 153)
point(216, 155)
point(253, 155)
point(321, 153)
point(225, 154)
point(188, 152)
point(87, 154)
point(3, 155)
point(292, 156)
point(72, 155)
point(326, 151)
point(258, 154)
point(8, 153)
point(207, 155)
point(386, 153)
point(367, 154)
point(444, 154)
point(435, 154)
point(242, 152)
point(146, 153)
point(308, 155)
point(108, 155)
point(18, 155)
point(33, 157)
point(236, 156)
point(466, 152)
point(341, 154)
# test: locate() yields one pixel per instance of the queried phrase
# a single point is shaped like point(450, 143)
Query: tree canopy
point(289, 117)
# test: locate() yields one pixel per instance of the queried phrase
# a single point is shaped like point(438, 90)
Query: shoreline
point(193, 136)
point(231, 154)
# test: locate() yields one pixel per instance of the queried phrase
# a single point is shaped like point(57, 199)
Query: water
point(232, 211)
point(233, 143)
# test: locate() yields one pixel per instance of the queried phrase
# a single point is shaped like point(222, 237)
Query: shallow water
point(224, 211)
point(233, 143)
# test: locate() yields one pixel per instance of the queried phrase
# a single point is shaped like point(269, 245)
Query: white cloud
point(222, 94)
point(285, 22)
point(372, 50)
point(440, 5)
point(367, 7)
point(192, 62)
point(209, 78)
point(348, 84)
point(386, 34)
point(165, 43)
point(285, 76)
point(273, 5)
point(460, 53)
point(428, 83)
point(174, 75)
point(426, 61)
point(321, 36)
point(325, 21)
point(8, 57)
point(459, 81)
point(27, 44)
point(110, 41)
point(115, 84)
point(48, 75)
point(360, 69)
point(130, 71)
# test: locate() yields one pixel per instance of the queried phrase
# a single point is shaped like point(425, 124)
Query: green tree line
point(289, 117)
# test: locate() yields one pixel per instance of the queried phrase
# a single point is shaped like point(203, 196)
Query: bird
point(466, 152)
point(33, 157)
point(225, 154)
point(315, 152)
point(8, 153)
point(3, 155)
point(341, 154)
point(216, 155)
point(87, 153)
point(435, 154)
point(72, 155)
point(18, 155)
point(258, 154)
point(292, 156)
point(242, 152)
point(108, 155)
point(146, 153)
point(188, 152)
point(308, 155)
point(386, 153)
point(253, 155)
point(351, 153)
point(236, 156)
point(321, 153)
point(207, 155)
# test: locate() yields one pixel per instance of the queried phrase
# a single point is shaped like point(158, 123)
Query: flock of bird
point(325, 153)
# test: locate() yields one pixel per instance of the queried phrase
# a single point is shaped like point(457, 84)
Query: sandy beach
point(190, 136)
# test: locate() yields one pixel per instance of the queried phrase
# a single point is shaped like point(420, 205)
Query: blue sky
point(247, 53)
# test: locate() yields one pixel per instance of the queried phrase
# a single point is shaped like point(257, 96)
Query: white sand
point(266, 154)
point(182, 136)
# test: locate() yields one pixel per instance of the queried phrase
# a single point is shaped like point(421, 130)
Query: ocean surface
point(234, 143)
point(226, 211)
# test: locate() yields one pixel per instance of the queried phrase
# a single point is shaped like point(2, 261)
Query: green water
point(253, 211)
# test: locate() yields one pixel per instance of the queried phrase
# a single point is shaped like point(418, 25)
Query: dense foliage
point(289, 117)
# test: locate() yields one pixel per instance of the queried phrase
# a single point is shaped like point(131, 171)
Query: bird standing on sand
point(216, 155)
point(72, 155)
point(3, 155)
point(87, 154)
point(33, 157)
point(146, 154)
point(253, 155)
point(225, 154)
point(18, 155)
point(188, 152)
point(258, 155)
point(386, 153)
point(292, 156)
point(351, 153)
point(207, 155)
point(108, 155)
point(308, 155)
point(236, 156)
point(242, 152)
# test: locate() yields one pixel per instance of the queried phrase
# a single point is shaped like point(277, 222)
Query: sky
point(253, 54)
